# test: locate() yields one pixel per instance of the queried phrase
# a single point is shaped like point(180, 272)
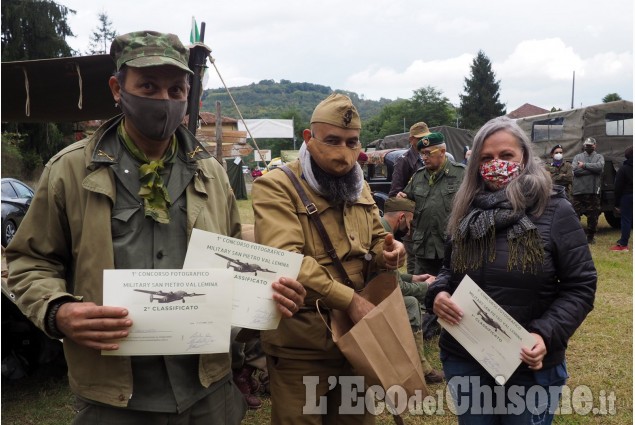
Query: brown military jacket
point(281, 221)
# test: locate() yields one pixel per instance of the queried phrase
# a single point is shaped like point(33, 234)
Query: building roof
point(209, 118)
point(527, 110)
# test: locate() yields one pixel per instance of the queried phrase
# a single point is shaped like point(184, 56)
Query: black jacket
point(405, 167)
point(553, 302)
point(624, 181)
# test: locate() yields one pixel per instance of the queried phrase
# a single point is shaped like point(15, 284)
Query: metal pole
point(219, 133)
point(572, 89)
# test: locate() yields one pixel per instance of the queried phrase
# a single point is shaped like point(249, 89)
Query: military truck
point(611, 124)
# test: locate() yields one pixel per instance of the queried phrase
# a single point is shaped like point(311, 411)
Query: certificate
point(172, 311)
point(254, 268)
point(487, 331)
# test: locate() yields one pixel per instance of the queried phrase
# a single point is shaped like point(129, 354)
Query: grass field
point(599, 359)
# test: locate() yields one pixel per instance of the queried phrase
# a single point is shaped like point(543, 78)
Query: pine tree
point(103, 35)
point(34, 29)
point(480, 103)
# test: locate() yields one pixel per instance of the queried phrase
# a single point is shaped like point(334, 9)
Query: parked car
point(16, 198)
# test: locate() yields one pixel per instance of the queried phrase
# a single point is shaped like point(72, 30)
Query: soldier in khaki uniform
point(432, 188)
point(302, 347)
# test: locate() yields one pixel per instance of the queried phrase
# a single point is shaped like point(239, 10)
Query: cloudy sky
point(389, 48)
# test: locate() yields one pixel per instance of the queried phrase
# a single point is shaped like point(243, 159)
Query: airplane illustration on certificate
point(242, 267)
point(488, 320)
point(168, 297)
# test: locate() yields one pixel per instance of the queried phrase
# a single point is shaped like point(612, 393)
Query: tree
point(429, 104)
point(611, 97)
point(103, 35)
point(480, 103)
point(426, 104)
point(34, 29)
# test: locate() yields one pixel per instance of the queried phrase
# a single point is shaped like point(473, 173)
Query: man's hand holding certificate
point(254, 267)
point(487, 331)
point(224, 282)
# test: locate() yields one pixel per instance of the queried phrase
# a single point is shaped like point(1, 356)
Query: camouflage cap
point(431, 139)
point(141, 49)
point(589, 141)
point(419, 130)
point(399, 204)
point(337, 110)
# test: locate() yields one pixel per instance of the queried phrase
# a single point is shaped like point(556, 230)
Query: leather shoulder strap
point(312, 210)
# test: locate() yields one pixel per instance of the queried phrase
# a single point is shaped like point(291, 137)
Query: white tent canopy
point(263, 128)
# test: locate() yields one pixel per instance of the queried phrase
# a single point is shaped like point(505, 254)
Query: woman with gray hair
point(519, 239)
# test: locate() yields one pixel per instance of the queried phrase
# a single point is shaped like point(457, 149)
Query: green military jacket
point(561, 175)
point(65, 242)
point(433, 203)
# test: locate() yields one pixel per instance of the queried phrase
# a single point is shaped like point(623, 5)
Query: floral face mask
point(497, 173)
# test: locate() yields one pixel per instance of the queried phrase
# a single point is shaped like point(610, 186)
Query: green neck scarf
point(156, 200)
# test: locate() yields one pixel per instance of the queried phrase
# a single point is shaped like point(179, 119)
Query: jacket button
point(160, 255)
point(122, 397)
point(352, 237)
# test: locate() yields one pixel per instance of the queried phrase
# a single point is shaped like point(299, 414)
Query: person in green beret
point(128, 197)
point(432, 187)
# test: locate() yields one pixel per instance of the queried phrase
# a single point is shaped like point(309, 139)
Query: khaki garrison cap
point(337, 110)
point(399, 204)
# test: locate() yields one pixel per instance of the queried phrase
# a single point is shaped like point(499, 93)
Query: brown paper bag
point(381, 346)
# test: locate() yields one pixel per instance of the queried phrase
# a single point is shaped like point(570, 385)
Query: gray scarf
point(307, 172)
point(476, 235)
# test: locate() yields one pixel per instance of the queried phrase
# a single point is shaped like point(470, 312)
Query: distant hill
point(269, 99)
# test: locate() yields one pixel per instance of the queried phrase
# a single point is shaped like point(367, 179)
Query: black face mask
point(156, 119)
point(399, 233)
point(589, 149)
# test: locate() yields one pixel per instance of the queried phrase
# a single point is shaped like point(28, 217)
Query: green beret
point(431, 139)
point(141, 49)
point(337, 110)
point(399, 204)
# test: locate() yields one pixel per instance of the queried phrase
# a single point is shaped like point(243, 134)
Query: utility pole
point(219, 133)
point(572, 89)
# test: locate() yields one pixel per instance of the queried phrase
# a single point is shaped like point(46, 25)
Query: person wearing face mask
point(587, 184)
point(560, 170)
point(517, 237)
point(331, 179)
point(396, 220)
point(127, 197)
point(432, 187)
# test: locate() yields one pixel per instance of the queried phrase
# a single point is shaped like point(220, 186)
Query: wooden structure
point(234, 142)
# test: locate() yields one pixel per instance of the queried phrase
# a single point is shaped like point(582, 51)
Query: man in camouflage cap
point(329, 174)
point(432, 188)
point(123, 199)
